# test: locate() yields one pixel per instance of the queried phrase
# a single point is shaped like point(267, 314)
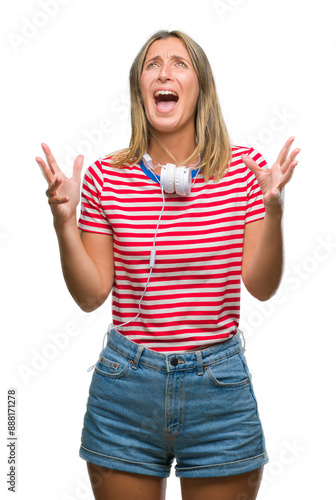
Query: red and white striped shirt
point(193, 296)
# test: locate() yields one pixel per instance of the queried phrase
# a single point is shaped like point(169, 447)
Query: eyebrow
point(173, 56)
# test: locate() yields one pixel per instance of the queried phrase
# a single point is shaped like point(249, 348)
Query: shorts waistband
point(176, 361)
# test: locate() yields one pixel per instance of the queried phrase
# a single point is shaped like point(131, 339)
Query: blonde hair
point(211, 136)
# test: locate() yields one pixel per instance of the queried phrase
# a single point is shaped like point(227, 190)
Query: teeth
point(165, 92)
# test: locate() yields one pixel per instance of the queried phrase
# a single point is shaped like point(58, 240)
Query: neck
point(180, 144)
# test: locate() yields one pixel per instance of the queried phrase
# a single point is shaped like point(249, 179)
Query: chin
point(167, 128)
point(167, 124)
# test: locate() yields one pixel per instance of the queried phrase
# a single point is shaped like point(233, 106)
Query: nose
point(165, 73)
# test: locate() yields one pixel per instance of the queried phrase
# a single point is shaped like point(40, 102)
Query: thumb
point(251, 164)
point(77, 168)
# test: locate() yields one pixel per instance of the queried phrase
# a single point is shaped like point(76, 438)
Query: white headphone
point(173, 179)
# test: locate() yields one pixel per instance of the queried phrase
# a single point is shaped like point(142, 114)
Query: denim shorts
point(146, 408)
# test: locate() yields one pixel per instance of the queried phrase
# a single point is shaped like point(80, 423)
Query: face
point(169, 86)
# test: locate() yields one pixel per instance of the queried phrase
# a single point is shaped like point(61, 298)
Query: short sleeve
point(92, 216)
point(255, 205)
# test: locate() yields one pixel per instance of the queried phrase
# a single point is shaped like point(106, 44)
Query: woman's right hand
point(63, 193)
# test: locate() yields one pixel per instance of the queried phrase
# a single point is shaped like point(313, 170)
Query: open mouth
point(165, 100)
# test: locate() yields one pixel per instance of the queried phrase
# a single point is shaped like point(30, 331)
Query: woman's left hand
point(273, 181)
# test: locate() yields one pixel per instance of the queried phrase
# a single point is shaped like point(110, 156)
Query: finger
point(251, 164)
point(288, 175)
point(50, 158)
point(285, 150)
point(277, 196)
point(77, 168)
point(57, 200)
point(44, 169)
point(289, 160)
point(53, 186)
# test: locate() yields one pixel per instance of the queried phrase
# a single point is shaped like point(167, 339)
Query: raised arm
point(263, 244)
point(86, 258)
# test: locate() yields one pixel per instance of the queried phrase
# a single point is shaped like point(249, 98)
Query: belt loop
point(137, 357)
point(243, 338)
point(199, 363)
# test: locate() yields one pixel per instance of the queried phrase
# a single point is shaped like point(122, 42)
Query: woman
point(172, 244)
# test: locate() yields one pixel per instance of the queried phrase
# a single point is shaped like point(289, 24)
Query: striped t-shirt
point(193, 296)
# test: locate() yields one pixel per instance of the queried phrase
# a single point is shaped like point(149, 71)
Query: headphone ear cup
point(167, 178)
point(183, 181)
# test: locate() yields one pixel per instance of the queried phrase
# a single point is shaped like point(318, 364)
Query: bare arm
point(86, 258)
point(87, 264)
point(262, 263)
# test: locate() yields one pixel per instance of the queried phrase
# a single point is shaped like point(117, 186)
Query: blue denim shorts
point(146, 408)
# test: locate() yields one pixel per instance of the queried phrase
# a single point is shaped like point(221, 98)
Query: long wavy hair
point(211, 135)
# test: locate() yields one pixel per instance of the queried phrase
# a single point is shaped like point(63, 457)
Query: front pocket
point(228, 373)
point(112, 369)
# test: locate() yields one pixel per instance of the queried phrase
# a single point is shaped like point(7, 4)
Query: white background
point(65, 76)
